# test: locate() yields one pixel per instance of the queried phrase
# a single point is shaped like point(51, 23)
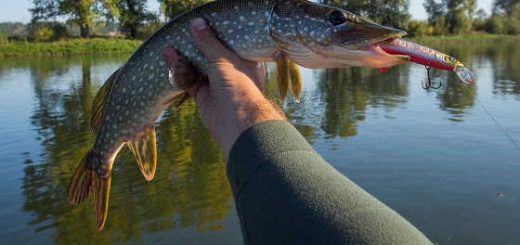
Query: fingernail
point(200, 24)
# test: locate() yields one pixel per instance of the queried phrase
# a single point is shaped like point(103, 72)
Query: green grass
point(107, 46)
point(68, 47)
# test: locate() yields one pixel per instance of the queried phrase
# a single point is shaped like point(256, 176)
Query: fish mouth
point(373, 35)
point(376, 49)
point(365, 33)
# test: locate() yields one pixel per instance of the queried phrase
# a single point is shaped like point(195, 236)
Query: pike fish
point(288, 32)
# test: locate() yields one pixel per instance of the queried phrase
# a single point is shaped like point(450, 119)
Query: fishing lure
point(430, 58)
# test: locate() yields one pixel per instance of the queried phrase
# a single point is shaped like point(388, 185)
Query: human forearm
point(286, 193)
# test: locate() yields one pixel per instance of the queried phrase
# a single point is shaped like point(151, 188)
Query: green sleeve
point(285, 193)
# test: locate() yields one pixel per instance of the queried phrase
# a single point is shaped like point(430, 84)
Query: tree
point(459, 15)
point(131, 14)
point(44, 10)
point(434, 10)
point(81, 13)
point(450, 16)
point(479, 20)
point(172, 8)
point(506, 7)
point(505, 18)
point(386, 12)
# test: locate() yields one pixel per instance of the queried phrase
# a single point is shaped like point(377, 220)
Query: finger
point(202, 95)
point(200, 82)
point(260, 74)
point(170, 57)
point(208, 43)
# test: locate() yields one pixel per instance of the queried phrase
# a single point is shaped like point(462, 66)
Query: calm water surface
point(434, 156)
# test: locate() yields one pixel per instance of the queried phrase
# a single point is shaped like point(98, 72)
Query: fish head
point(320, 36)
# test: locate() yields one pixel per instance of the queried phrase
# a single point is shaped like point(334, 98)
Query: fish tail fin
point(81, 183)
point(84, 181)
point(101, 194)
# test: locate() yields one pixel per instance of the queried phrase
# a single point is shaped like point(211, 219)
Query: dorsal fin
point(282, 75)
point(98, 105)
point(296, 82)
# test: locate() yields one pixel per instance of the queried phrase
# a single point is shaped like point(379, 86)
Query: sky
point(18, 10)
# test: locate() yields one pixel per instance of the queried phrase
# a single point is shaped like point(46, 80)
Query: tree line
point(445, 17)
point(134, 19)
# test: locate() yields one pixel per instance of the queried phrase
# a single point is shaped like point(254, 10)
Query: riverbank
point(125, 46)
point(68, 47)
point(477, 37)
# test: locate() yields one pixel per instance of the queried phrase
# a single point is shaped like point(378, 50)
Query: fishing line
point(504, 131)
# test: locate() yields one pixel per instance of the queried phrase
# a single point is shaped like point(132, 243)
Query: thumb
point(208, 43)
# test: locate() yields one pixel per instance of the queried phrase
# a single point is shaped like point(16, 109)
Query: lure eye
point(337, 18)
point(450, 60)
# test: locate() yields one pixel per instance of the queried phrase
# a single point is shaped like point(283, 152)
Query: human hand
point(232, 100)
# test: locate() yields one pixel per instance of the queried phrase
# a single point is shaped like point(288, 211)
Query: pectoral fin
point(145, 153)
point(289, 78)
point(296, 82)
point(282, 75)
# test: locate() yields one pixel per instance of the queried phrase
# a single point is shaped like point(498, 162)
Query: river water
point(434, 156)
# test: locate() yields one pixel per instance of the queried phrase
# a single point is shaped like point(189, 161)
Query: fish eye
point(337, 18)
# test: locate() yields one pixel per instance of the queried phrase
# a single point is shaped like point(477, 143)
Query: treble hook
point(428, 85)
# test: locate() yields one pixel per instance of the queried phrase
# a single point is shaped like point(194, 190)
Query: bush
point(41, 33)
point(3, 39)
point(440, 26)
point(513, 26)
point(44, 32)
point(417, 28)
point(496, 25)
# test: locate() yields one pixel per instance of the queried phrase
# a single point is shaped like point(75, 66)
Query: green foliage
point(47, 31)
point(44, 10)
point(506, 7)
point(503, 25)
point(459, 15)
point(3, 39)
point(417, 28)
point(148, 28)
point(496, 24)
point(133, 16)
point(83, 13)
point(172, 8)
point(41, 33)
point(450, 16)
point(513, 27)
point(389, 12)
point(445, 17)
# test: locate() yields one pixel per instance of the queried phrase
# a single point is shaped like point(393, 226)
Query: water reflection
point(505, 59)
point(347, 93)
point(190, 190)
point(454, 97)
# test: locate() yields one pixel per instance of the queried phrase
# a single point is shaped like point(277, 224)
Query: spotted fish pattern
point(286, 32)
